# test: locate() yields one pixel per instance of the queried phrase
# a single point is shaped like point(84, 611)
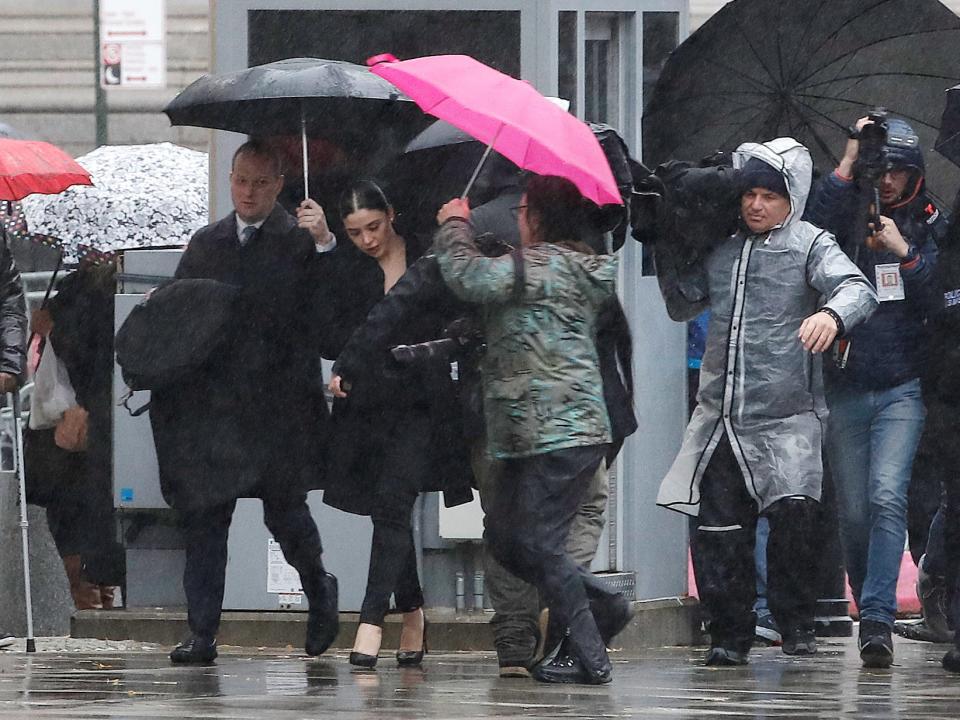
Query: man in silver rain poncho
point(779, 290)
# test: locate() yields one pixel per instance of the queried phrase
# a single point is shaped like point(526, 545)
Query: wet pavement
point(258, 684)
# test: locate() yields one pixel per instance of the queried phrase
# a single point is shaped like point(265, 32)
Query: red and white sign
point(133, 43)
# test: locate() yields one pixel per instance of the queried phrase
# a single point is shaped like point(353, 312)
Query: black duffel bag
point(48, 467)
point(174, 331)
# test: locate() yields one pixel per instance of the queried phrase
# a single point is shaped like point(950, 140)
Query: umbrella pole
point(303, 139)
point(476, 171)
point(24, 524)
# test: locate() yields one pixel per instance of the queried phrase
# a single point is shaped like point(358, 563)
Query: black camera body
point(872, 161)
point(462, 339)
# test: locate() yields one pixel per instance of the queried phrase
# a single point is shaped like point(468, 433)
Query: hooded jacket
point(541, 380)
point(757, 383)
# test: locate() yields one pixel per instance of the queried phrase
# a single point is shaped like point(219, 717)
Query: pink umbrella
point(507, 114)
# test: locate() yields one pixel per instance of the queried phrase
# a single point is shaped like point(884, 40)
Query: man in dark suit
point(248, 425)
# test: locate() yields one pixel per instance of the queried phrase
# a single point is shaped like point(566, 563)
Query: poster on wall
point(133, 44)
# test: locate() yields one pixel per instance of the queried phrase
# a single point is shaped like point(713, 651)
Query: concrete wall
point(47, 75)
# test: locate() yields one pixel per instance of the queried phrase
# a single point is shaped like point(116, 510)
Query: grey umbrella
point(330, 99)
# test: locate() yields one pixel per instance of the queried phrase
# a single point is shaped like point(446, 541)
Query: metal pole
point(100, 97)
point(24, 524)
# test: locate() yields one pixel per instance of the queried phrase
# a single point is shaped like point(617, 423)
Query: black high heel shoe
point(412, 658)
point(362, 659)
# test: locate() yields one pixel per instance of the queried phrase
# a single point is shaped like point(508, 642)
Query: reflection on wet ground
point(659, 683)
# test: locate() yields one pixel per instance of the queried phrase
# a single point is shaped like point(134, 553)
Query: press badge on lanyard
point(889, 282)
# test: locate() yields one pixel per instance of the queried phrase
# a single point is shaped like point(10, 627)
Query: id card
point(889, 282)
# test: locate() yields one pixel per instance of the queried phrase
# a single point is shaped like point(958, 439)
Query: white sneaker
point(6, 639)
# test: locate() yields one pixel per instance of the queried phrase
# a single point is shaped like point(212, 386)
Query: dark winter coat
point(252, 422)
point(82, 337)
point(379, 387)
point(13, 314)
point(941, 379)
point(891, 347)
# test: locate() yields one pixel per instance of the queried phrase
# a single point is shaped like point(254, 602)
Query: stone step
point(656, 623)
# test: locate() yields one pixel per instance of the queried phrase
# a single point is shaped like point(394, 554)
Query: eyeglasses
point(516, 209)
point(258, 183)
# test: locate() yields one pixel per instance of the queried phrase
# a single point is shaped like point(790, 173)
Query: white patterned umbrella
point(142, 196)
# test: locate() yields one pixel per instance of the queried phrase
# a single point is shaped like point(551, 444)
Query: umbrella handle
point(303, 139)
point(476, 170)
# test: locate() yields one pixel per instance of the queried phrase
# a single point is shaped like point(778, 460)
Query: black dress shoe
point(194, 651)
point(951, 661)
point(611, 616)
point(362, 659)
point(412, 658)
point(323, 620)
point(566, 667)
point(724, 657)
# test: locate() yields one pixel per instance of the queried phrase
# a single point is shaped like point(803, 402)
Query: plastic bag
point(53, 392)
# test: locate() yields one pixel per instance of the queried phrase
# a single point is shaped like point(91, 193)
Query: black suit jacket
point(251, 422)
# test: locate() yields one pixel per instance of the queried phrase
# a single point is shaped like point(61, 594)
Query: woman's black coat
point(377, 382)
point(252, 422)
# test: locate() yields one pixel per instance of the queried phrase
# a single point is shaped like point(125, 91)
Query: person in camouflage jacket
point(544, 405)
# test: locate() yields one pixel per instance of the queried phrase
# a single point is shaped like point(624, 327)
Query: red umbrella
point(28, 166)
point(507, 114)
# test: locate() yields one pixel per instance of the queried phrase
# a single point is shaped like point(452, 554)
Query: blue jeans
point(872, 438)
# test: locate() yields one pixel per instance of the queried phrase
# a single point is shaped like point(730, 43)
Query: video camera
point(872, 161)
point(462, 338)
point(871, 164)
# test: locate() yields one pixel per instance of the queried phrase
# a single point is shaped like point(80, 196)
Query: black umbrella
point(330, 99)
point(948, 142)
point(441, 158)
point(764, 68)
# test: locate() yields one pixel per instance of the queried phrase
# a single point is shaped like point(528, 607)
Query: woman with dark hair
point(543, 399)
point(395, 431)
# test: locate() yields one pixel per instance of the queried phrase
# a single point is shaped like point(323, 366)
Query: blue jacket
point(891, 347)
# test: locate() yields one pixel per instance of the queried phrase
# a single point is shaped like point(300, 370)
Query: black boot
point(565, 667)
point(586, 645)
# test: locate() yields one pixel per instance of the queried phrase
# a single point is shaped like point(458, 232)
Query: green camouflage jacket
point(542, 387)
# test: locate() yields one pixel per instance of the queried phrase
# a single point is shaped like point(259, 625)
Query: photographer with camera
point(872, 376)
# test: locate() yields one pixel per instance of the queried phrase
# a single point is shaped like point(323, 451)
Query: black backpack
point(174, 331)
